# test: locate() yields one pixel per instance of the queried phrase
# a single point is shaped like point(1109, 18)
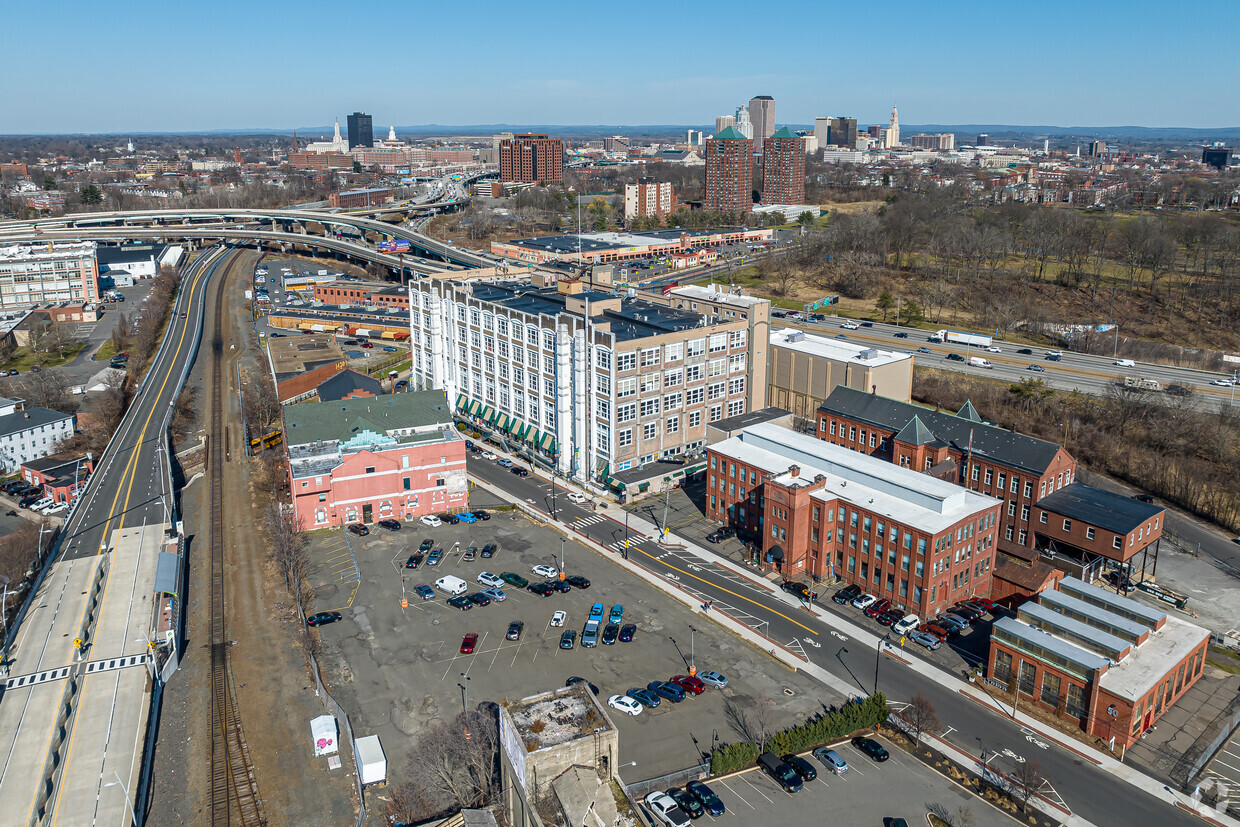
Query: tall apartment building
point(783, 168)
point(1097, 149)
point(617, 143)
point(61, 271)
point(729, 173)
point(693, 137)
point(361, 130)
point(762, 114)
point(529, 158)
point(722, 122)
point(581, 379)
point(822, 510)
point(647, 198)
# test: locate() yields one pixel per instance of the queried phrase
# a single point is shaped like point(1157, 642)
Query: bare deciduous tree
point(921, 716)
point(1027, 781)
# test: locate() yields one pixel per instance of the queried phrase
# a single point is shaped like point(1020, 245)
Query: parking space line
point(757, 789)
point(1225, 764)
point(728, 787)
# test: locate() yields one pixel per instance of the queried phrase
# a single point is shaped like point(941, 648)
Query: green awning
point(532, 435)
point(501, 421)
point(474, 407)
point(548, 440)
point(555, 447)
point(462, 401)
point(488, 413)
point(516, 427)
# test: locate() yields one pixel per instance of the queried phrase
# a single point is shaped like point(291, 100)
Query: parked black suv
point(847, 594)
point(783, 774)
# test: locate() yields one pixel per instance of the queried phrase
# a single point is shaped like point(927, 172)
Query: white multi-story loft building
point(585, 379)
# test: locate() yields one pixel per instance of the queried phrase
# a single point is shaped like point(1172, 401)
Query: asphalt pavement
point(1090, 792)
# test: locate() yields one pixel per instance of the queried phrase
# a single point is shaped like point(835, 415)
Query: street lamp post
point(625, 555)
point(562, 575)
point(133, 818)
point(465, 704)
point(878, 658)
point(692, 652)
point(667, 492)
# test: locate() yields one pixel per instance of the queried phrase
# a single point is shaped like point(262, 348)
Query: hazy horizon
point(1107, 63)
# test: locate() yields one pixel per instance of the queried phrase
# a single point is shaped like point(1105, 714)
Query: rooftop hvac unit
point(868, 353)
point(796, 336)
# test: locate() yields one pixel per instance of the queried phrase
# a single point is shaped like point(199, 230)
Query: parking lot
point(867, 794)
point(395, 668)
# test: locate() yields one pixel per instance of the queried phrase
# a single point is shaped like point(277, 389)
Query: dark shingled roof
point(1113, 512)
point(345, 383)
point(990, 442)
point(29, 418)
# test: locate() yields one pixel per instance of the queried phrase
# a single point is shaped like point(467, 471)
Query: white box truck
point(371, 762)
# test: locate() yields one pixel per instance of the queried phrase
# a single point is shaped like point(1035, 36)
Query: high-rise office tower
point(844, 132)
point(722, 122)
point(729, 172)
point(783, 168)
point(893, 130)
point(361, 130)
point(983, 140)
point(822, 130)
point(762, 115)
point(742, 124)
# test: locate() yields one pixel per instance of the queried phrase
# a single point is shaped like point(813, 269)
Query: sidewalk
point(864, 637)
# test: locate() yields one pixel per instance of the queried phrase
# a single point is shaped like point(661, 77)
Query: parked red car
point(468, 643)
point(877, 607)
point(689, 684)
point(933, 629)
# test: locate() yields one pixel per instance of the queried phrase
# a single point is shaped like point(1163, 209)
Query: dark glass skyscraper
point(361, 132)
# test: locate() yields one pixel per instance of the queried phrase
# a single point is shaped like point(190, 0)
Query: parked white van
point(452, 585)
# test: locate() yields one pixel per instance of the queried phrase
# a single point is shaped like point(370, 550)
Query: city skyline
point(1010, 72)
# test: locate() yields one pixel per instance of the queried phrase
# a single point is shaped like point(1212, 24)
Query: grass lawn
point(105, 352)
point(23, 360)
point(1223, 659)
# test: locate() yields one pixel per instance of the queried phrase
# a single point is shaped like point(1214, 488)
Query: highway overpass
point(354, 251)
point(419, 244)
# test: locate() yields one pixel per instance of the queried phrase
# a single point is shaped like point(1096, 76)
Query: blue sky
point(148, 67)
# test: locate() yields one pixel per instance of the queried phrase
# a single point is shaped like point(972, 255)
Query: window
point(716, 367)
point(1067, 525)
point(832, 427)
point(1024, 513)
point(1028, 672)
point(718, 342)
point(1089, 532)
point(674, 352)
point(650, 430)
point(1050, 689)
point(695, 419)
point(1003, 666)
point(990, 475)
point(673, 424)
point(1042, 517)
point(626, 361)
point(1118, 542)
point(695, 347)
point(602, 408)
point(671, 402)
point(1076, 701)
point(626, 413)
point(548, 340)
point(738, 338)
point(736, 386)
point(650, 356)
point(716, 413)
point(601, 383)
point(673, 378)
point(736, 407)
point(626, 387)
point(624, 438)
point(715, 390)
point(370, 469)
point(694, 373)
point(694, 397)
point(602, 358)
point(650, 407)
point(736, 363)
point(650, 382)
point(1011, 508)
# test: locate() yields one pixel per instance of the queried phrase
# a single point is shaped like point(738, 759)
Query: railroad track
point(234, 791)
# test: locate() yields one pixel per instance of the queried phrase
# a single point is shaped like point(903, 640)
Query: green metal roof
point(785, 133)
point(347, 419)
point(730, 133)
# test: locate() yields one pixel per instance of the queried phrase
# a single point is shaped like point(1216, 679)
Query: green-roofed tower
point(783, 168)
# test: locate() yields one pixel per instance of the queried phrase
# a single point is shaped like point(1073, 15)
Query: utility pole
point(667, 492)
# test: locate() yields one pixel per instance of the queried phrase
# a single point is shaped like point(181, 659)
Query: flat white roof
point(39, 252)
point(880, 487)
point(715, 293)
point(1150, 663)
point(838, 349)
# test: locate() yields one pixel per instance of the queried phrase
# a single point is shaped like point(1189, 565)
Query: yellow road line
point(729, 591)
point(137, 449)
